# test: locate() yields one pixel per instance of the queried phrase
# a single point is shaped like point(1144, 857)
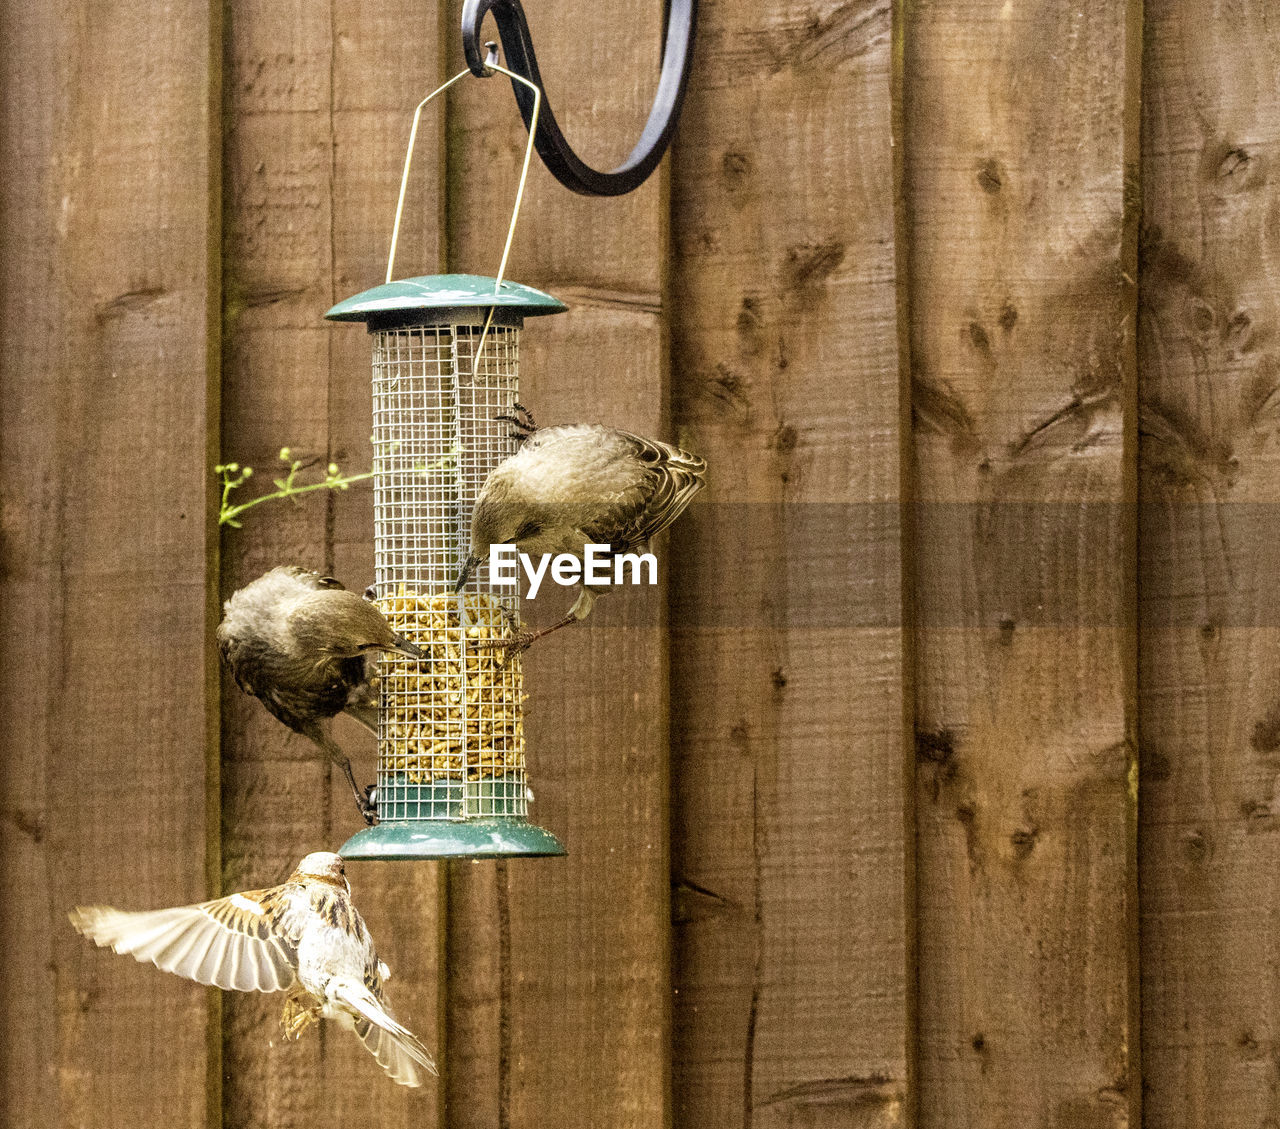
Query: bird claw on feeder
point(366, 798)
point(366, 801)
point(512, 645)
point(522, 419)
point(513, 619)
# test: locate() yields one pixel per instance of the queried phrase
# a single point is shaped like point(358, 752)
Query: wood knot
point(729, 380)
point(989, 176)
point(1024, 841)
point(1256, 812)
point(978, 337)
point(810, 264)
point(736, 167)
point(1234, 165)
point(938, 746)
point(30, 823)
point(1266, 731)
point(1238, 331)
point(1195, 847)
point(750, 327)
point(1201, 316)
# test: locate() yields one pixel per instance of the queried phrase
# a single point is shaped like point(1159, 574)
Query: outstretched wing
point(671, 478)
point(246, 941)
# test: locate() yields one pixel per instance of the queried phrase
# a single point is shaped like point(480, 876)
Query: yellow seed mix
point(456, 712)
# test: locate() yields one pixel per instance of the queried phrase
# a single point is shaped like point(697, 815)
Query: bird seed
point(456, 714)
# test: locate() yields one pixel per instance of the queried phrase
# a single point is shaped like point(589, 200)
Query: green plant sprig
point(234, 476)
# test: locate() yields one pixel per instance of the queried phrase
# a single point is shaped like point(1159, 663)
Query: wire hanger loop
point(555, 151)
point(492, 66)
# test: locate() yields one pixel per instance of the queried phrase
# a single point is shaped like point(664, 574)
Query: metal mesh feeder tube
point(451, 767)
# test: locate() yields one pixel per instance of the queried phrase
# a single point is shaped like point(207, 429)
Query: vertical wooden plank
point(277, 796)
point(1210, 478)
point(558, 977)
point(317, 119)
point(790, 760)
point(1020, 134)
point(108, 220)
point(31, 606)
point(385, 61)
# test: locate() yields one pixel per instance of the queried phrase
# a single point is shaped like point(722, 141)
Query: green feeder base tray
point(447, 839)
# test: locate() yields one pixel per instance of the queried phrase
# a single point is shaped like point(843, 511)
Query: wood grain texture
point(107, 701)
point(277, 260)
point(379, 75)
point(1019, 130)
point(1210, 480)
point(789, 766)
point(558, 970)
point(31, 605)
point(318, 112)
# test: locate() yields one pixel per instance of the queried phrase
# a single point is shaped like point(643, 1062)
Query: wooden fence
point(936, 786)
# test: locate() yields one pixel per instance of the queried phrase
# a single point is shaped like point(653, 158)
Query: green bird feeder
point(451, 767)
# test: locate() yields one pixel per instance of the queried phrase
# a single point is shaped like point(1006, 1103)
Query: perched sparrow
point(577, 485)
point(307, 649)
point(304, 937)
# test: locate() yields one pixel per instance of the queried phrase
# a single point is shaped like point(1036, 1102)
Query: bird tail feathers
point(398, 1050)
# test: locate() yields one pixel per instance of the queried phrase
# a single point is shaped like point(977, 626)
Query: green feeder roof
point(438, 298)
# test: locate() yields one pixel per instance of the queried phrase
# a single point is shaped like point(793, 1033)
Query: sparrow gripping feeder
point(451, 772)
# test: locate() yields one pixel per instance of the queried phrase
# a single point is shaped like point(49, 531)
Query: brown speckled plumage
point(304, 936)
point(576, 485)
point(307, 649)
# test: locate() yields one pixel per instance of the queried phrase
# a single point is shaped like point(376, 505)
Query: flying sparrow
point(304, 937)
point(307, 649)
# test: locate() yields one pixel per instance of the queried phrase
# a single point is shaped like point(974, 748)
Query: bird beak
point(465, 574)
point(406, 648)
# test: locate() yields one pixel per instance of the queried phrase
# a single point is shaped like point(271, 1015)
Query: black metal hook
point(556, 154)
